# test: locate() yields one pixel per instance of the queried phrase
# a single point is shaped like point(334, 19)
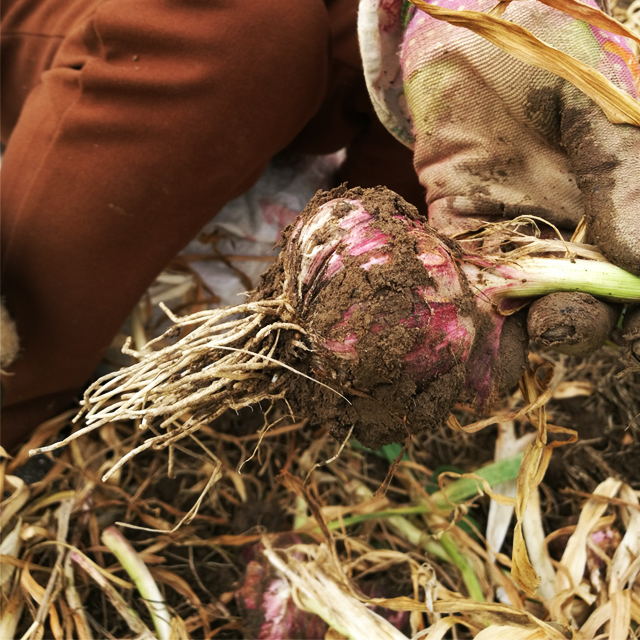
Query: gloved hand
point(496, 138)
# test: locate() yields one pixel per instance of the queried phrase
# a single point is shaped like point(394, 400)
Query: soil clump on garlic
point(369, 323)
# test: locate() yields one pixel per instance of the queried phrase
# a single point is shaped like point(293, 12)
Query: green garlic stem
point(458, 558)
point(138, 571)
point(531, 277)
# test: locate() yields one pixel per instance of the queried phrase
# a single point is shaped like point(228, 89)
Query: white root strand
point(226, 361)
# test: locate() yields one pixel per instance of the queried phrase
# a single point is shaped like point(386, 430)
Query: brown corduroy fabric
point(127, 125)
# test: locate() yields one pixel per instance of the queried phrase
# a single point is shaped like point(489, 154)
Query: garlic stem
point(530, 277)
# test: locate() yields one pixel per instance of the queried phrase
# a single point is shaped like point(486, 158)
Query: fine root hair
point(205, 364)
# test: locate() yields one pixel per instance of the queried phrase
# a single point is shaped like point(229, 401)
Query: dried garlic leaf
point(511, 632)
point(488, 613)
point(534, 465)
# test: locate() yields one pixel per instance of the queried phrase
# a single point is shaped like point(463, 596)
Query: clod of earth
point(574, 324)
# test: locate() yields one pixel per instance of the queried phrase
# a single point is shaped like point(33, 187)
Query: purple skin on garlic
point(269, 610)
point(448, 332)
point(401, 322)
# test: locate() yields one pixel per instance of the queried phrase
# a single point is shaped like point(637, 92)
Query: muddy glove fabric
point(494, 137)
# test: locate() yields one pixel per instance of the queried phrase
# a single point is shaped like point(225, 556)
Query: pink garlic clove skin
point(343, 231)
point(390, 313)
point(268, 609)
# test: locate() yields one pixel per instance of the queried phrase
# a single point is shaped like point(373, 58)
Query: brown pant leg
point(154, 113)
point(32, 32)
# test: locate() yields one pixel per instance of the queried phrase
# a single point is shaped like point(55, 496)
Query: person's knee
point(233, 69)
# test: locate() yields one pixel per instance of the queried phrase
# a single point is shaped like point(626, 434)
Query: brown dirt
point(385, 402)
point(603, 157)
point(571, 323)
point(512, 357)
